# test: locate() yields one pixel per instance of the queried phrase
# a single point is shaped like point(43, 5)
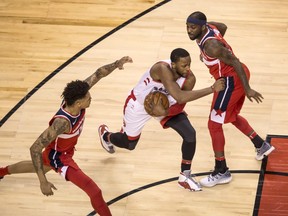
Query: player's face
point(193, 31)
point(182, 66)
point(85, 102)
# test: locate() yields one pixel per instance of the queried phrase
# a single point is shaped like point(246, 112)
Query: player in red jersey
point(218, 56)
point(60, 138)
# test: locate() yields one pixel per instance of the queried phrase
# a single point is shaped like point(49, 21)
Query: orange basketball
point(155, 97)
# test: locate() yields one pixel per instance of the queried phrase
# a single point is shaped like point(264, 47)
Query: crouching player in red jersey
point(60, 138)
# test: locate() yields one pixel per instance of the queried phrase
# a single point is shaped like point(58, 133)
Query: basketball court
point(47, 43)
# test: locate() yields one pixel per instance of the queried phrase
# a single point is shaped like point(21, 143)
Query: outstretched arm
point(164, 74)
point(58, 127)
point(106, 70)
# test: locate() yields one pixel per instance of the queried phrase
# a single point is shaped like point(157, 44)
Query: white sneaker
point(264, 150)
point(106, 145)
point(186, 181)
point(216, 178)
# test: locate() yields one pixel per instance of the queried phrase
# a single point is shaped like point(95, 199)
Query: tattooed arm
point(59, 126)
point(106, 70)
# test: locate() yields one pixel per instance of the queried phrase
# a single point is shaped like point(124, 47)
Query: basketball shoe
point(216, 178)
point(106, 145)
point(186, 181)
point(264, 150)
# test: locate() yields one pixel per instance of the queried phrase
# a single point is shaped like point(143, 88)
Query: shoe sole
point(265, 153)
point(111, 151)
point(226, 181)
point(185, 185)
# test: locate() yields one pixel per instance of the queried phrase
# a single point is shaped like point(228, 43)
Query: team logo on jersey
point(161, 89)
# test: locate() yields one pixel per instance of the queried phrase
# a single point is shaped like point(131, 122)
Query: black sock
point(220, 166)
point(257, 141)
point(185, 167)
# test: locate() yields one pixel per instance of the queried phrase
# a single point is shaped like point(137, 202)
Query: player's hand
point(122, 61)
point(46, 188)
point(255, 95)
point(219, 85)
point(158, 109)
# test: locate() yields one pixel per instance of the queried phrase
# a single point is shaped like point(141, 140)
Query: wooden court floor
point(66, 40)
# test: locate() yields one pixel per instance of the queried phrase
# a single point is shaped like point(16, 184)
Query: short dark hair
point(178, 53)
point(75, 90)
point(199, 15)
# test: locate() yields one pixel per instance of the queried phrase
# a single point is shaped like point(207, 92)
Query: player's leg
point(120, 139)
point(263, 148)
point(20, 167)
point(135, 118)
point(183, 127)
point(221, 173)
point(80, 179)
point(222, 111)
point(225, 107)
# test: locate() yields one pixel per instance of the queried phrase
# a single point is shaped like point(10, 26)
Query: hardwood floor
point(40, 37)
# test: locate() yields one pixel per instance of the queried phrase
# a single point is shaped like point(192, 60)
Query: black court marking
point(197, 174)
point(61, 67)
point(262, 171)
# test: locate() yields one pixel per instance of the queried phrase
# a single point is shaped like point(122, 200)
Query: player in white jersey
point(174, 78)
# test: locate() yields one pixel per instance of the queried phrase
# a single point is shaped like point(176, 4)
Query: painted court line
point(272, 193)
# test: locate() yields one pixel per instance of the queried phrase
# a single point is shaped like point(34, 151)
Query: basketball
point(155, 98)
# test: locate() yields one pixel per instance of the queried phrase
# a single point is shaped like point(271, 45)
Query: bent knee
point(132, 144)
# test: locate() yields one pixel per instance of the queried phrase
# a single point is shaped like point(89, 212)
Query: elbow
point(32, 150)
point(35, 149)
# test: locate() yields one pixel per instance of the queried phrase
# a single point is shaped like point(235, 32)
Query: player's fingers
point(260, 96)
point(250, 99)
point(259, 100)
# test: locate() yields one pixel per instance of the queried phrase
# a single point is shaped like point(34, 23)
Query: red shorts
point(57, 160)
point(174, 110)
point(227, 104)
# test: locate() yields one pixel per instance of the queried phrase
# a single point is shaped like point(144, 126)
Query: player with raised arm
point(59, 139)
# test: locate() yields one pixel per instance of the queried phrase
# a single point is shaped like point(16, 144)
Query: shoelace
point(212, 178)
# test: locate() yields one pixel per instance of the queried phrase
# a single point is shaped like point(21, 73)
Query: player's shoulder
point(162, 64)
point(61, 123)
point(160, 69)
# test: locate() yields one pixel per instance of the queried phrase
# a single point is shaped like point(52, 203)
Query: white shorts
point(135, 118)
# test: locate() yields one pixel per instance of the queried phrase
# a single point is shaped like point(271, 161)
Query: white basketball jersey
point(146, 84)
